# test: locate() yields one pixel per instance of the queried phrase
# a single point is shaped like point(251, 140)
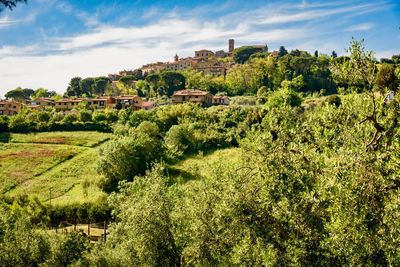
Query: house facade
point(10, 107)
point(193, 96)
point(67, 103)
point(133, 102)
point(101, 102)
point(220, 100)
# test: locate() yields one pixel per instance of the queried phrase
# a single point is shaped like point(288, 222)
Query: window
point(1, 112)
point(101, 103)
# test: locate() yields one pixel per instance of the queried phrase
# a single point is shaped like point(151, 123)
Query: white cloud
point(360, 27)
point(319, 13)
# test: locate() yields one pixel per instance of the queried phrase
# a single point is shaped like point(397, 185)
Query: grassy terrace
point(199, 166)
point(86, 139)
point(62, 163)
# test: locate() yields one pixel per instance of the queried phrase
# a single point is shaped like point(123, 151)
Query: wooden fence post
point(104, 232)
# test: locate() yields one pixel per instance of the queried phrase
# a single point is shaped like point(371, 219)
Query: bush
point(178, 140)
point(85, 115)
point(99, 116)
point(283, 97)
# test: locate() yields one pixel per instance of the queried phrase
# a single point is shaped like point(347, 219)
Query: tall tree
point(282, 51)
point(19, 94)
point(74, 87)
point(242, 54)
point(100, 85)
point(87, 86)
point(173, 81)
point(42, 92)
point(358, 70)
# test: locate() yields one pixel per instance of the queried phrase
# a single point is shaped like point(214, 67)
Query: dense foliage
point(51, 120)
point(315, 187)
point(316, 184)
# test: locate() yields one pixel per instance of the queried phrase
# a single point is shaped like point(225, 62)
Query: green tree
point(359, 70)
point(172, 81)
point(242, 54)
point(42, 92)
point(20, 94)
point(242, 79)
point(128, 156)
point(144, 234)
point(68, 248)
point(282, 51)
point(21, 243)
point(74, 87)
point(386, 77)
point(100, 85)
point(87, 85)
point(154, 80)
point(178, 140)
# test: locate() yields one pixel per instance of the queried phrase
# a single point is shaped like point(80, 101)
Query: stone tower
point(231, 45)
point(176, 58)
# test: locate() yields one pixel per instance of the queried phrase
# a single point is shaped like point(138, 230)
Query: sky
point(45, 43)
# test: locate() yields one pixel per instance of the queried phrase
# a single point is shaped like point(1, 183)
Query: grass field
point(196, 167)
point(86, 139)
point(60, 164)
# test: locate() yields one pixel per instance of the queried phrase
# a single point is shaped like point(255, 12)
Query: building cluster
point(205, 61)
point(133, 102)
point(199, 97)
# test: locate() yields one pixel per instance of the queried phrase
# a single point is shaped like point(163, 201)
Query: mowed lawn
point(60, 164)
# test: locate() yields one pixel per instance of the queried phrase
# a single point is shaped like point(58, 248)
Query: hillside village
point(204, 61)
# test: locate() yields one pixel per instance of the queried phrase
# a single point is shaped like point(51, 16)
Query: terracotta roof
point(5, 101)
point(33, 106)
point(147, 104)
point(127, 97)
point(96, 99)
point(204, 50)
point(220, 97)
point(64, 100)
point(190, 92)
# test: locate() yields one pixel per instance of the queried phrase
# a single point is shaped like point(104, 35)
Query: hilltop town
point(207, 62)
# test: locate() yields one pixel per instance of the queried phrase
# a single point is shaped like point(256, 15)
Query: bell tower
point(231, 45)
point(176, 58)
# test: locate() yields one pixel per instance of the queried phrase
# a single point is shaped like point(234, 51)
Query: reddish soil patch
point(29, 154)
point(50, 140)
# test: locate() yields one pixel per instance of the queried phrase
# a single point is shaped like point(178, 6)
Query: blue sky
point(47, 42)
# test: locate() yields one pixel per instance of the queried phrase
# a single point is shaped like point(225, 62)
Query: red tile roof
point(66, 100)
point(127, 97)
point(190, 92)
point(147, 104)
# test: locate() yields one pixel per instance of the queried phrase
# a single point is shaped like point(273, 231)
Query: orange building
point(128, 101)
point(194, 96)
point(220, 100)
point(68, 103)
point(10, 107)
